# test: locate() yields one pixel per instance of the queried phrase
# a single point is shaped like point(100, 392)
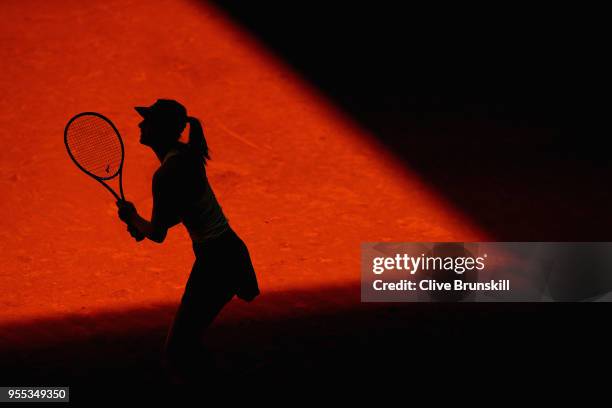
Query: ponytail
point(197, 142)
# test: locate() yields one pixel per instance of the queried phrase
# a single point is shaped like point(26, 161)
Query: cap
point(168, 109)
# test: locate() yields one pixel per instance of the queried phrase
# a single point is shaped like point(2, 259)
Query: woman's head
point(162, 125)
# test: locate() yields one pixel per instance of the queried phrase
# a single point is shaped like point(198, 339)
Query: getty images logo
point(444, 271)
point(429, 262)
point(443, 257)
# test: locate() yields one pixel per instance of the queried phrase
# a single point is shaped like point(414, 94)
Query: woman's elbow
point(158, 236)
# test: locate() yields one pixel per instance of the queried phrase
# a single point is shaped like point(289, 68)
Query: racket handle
point(134, 232)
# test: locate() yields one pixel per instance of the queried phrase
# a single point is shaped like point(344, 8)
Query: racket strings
point(95, 146)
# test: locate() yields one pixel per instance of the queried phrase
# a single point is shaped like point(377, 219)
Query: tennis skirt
point(222, 269)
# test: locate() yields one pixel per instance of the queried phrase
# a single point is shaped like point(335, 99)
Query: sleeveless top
point(202, 216)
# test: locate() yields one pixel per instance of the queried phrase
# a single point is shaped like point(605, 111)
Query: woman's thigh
point(206, 293)
point(191, 320)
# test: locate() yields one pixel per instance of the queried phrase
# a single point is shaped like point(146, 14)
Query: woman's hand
point(127, 212)
point(135, 233)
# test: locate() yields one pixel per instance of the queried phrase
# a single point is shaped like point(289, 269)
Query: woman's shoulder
point(178, 164)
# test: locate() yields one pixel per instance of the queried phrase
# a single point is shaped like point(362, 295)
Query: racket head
point(94, 145)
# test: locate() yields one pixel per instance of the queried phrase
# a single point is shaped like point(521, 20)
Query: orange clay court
point(300, 182)
point(304, 179)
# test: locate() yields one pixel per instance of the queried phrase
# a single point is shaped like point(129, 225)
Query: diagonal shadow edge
point(515, 151)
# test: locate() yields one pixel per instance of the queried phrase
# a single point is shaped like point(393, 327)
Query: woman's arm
point(164, 213)
point(138, 225)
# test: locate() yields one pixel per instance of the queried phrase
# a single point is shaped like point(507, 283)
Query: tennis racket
point(95, 146)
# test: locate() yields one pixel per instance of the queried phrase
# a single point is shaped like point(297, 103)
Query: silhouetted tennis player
point(181, 193)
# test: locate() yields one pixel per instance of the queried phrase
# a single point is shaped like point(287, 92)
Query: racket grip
point(134, 232)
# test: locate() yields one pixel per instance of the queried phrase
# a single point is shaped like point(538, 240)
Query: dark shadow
point(308, 337)
point(500, 109)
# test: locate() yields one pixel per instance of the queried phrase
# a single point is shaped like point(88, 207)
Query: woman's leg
point(204, 298)
point(185, 353)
